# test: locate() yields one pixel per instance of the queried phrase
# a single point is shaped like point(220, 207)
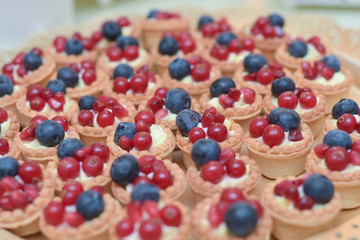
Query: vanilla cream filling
point(150, 86)
point(298, 107)
point(189, 80)
point(286, 141)
point(170, 116)
point(158, 135)
point(95, 123)
point(238, 104)
point(357, 117)
point(35, 144)
point(237, 57)
point(5, 126)
point(16, 88)
point(67, 106)
point(312, 53)
point(337, 78)
point(136, 62)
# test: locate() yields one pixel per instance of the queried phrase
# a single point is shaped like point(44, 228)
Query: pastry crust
point(9, 101)
point(173, 192)
point(234, 142)
point(184, 229)
point(262, 230)
point(14, 125)
point(95, 229)
point(14, 150)
point(24, 222)
point(329, 126)
point(90, 135)
point(62, 58)
point(296, 224)
point(281, 161)
point(208, 189)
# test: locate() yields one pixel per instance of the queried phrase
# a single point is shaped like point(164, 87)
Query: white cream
point(312, 53)
point(298, 107)
point(232, 182)
point(337, 78)
point(237, 57)
point(158, 135)
point(167, 232)
point(5, 126)
point(286, 141)
point(136, 62)
point(238, 104)
point(67, 106)
point(189, 80)
point(170, 116)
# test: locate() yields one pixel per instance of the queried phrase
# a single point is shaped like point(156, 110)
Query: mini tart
point(347, 183)
point(281, 161)
point(330, 125)
point(194, 89)
point(135, 98)
point(92, 230)
point(14, 126)
point(62, 59)
point(208, 189)
point(296, 224)
point(9, 101)
point(313, 118)
point(41, 156)
point(234, 142)
point(25, 222)
point(183, 231)
point(25, 113)
point(203, 230)
point(89, 135)
point(173, 192)
point(332, 93)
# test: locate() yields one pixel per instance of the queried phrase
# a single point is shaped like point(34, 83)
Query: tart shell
point(9, 101)
point(62, 59)
point(14, 126)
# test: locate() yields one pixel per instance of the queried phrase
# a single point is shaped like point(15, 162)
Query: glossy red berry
point(279, 188)
point(124, 227)
point(138, 83)
point(125, 143)
point(235, 168)
point(273, 135)
point(141, 179)
point(265, 76)
point(105, 118)
point(146, 163)
point(321, 149)
point(28, 134)
point(68, 168)
point(30, 172)
point(73, 186)
point(89, 76)
point(4, 146)
point(123, 21)
point(6, 203)
point(131, 53)
point(235, 46)
point(327, 73)
point(213, 171)
point(54, 213)
point(101, 150)
point(248, 44)
point(62, 121)
point(234, 94)
point(46, 94)
point(200, 72)
point(74, 219)
point(187, 45)
point(35, 121)
point(10, 183)
point(336, 158)
point(217, 132)
point(33, 91)
point(86, 118)
point(288, 100)
point(231, 195)
point(92, 165)
point(171, 215)
point(147, 116)
point(142, 141)
point(3, 115)
point(31, 191)
point(257, 126)
point(226, 155)
point(207, 120)
point(162, 178)
point(37, 104)
point(220, 52)
point(214, 216)
point(291, 192)
point(346, 122)
point(196, 133)
point(155, 104)
point(114, 53)
point(55, 104)
point(256, 205)
point(295, 135)
point(356, 146)
point(248, 95)
point(88, 65)
point(161, 92)
point(307, 100)
point(304, 203)
point(150, 230)
point(121, 85)
point(226, 101)
point(354, 158)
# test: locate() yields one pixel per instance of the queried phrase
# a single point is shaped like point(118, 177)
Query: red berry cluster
point(338, 158)
point(142, 139)
point(122, 21)
point(263, 27)
point(214, 123)
point(106, 108)
point(272, 134)
point(164, 15)
point(90, 159)
point(3, 115)
point(186, 42)
point(21, 71)
point(267, 74)
point(228, 100)
point(200, 68)
point(130, 53)
point(304, 96)
point(19, 192)
point(222, 52)
point(214, 171)
point(229, 196)
point(314, 40)
point(150, 218)
point(28, 134)
point(212, 29)
point(137, 83)
point(39, 97)
point(157, 103)
point(289, 189)
point(348, 123)
point(86, 70)
point(60, 42)
point(318, 69)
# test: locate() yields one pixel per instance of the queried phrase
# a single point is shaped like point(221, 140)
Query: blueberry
point(345, 105)
point(205, 19)
point(90, 204)
point(123, 70)
point(68, 147)
point(124, 41)
point(205, 150)
point(276, 20)
point(281, 85)
point(125, 128)
point(32, 61)
point(241, 219)
point(152, 13)
point(288, 119)
point(225, 38)
point(145, 192)
point(168, 46)
point(332, 61)
point(179, 68)
point(8, 167)
point(56, 86)
point(49, 133)
point(74, 46)
point(186, 120)
point(86, 102)
point(177, 99)
point(6, 86)
point(253, 62)
point(111, 30)
point(337, 137)
point(298, 49)
point(69, 76)
point(319, 187)
point(124, 170)
point(221, 86)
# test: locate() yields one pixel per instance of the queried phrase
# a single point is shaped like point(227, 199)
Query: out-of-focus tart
point(9, 124)
point(10, 93)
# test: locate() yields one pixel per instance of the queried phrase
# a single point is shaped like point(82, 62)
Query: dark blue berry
point(281, 85)
point(123, 70)
point(6, 86)
point(225, 38)
point(68, 147)
point(253, 62)
point(276, 20)
point(298, 49)
point(74, 46)
point(32, 61)
point(205, 19)
point(49, 133)
point(111, 30)
point(69, 76)
point(186, 120)
point(8, 167)
point(127, 129)
point(124, 41)
point(152, 13)
point(168, 46)
point(56, 86)
point(179, 68)
point(124, 170)
point(221, 86)
point(337, 137)
point(145, 192)
point(90, 204)
point(345, 105)
point(205, 150)
point(332, 61)
point(319, 187)
point(288, 119)
point(177, 99)
point(241, 219)
point(86, 102)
